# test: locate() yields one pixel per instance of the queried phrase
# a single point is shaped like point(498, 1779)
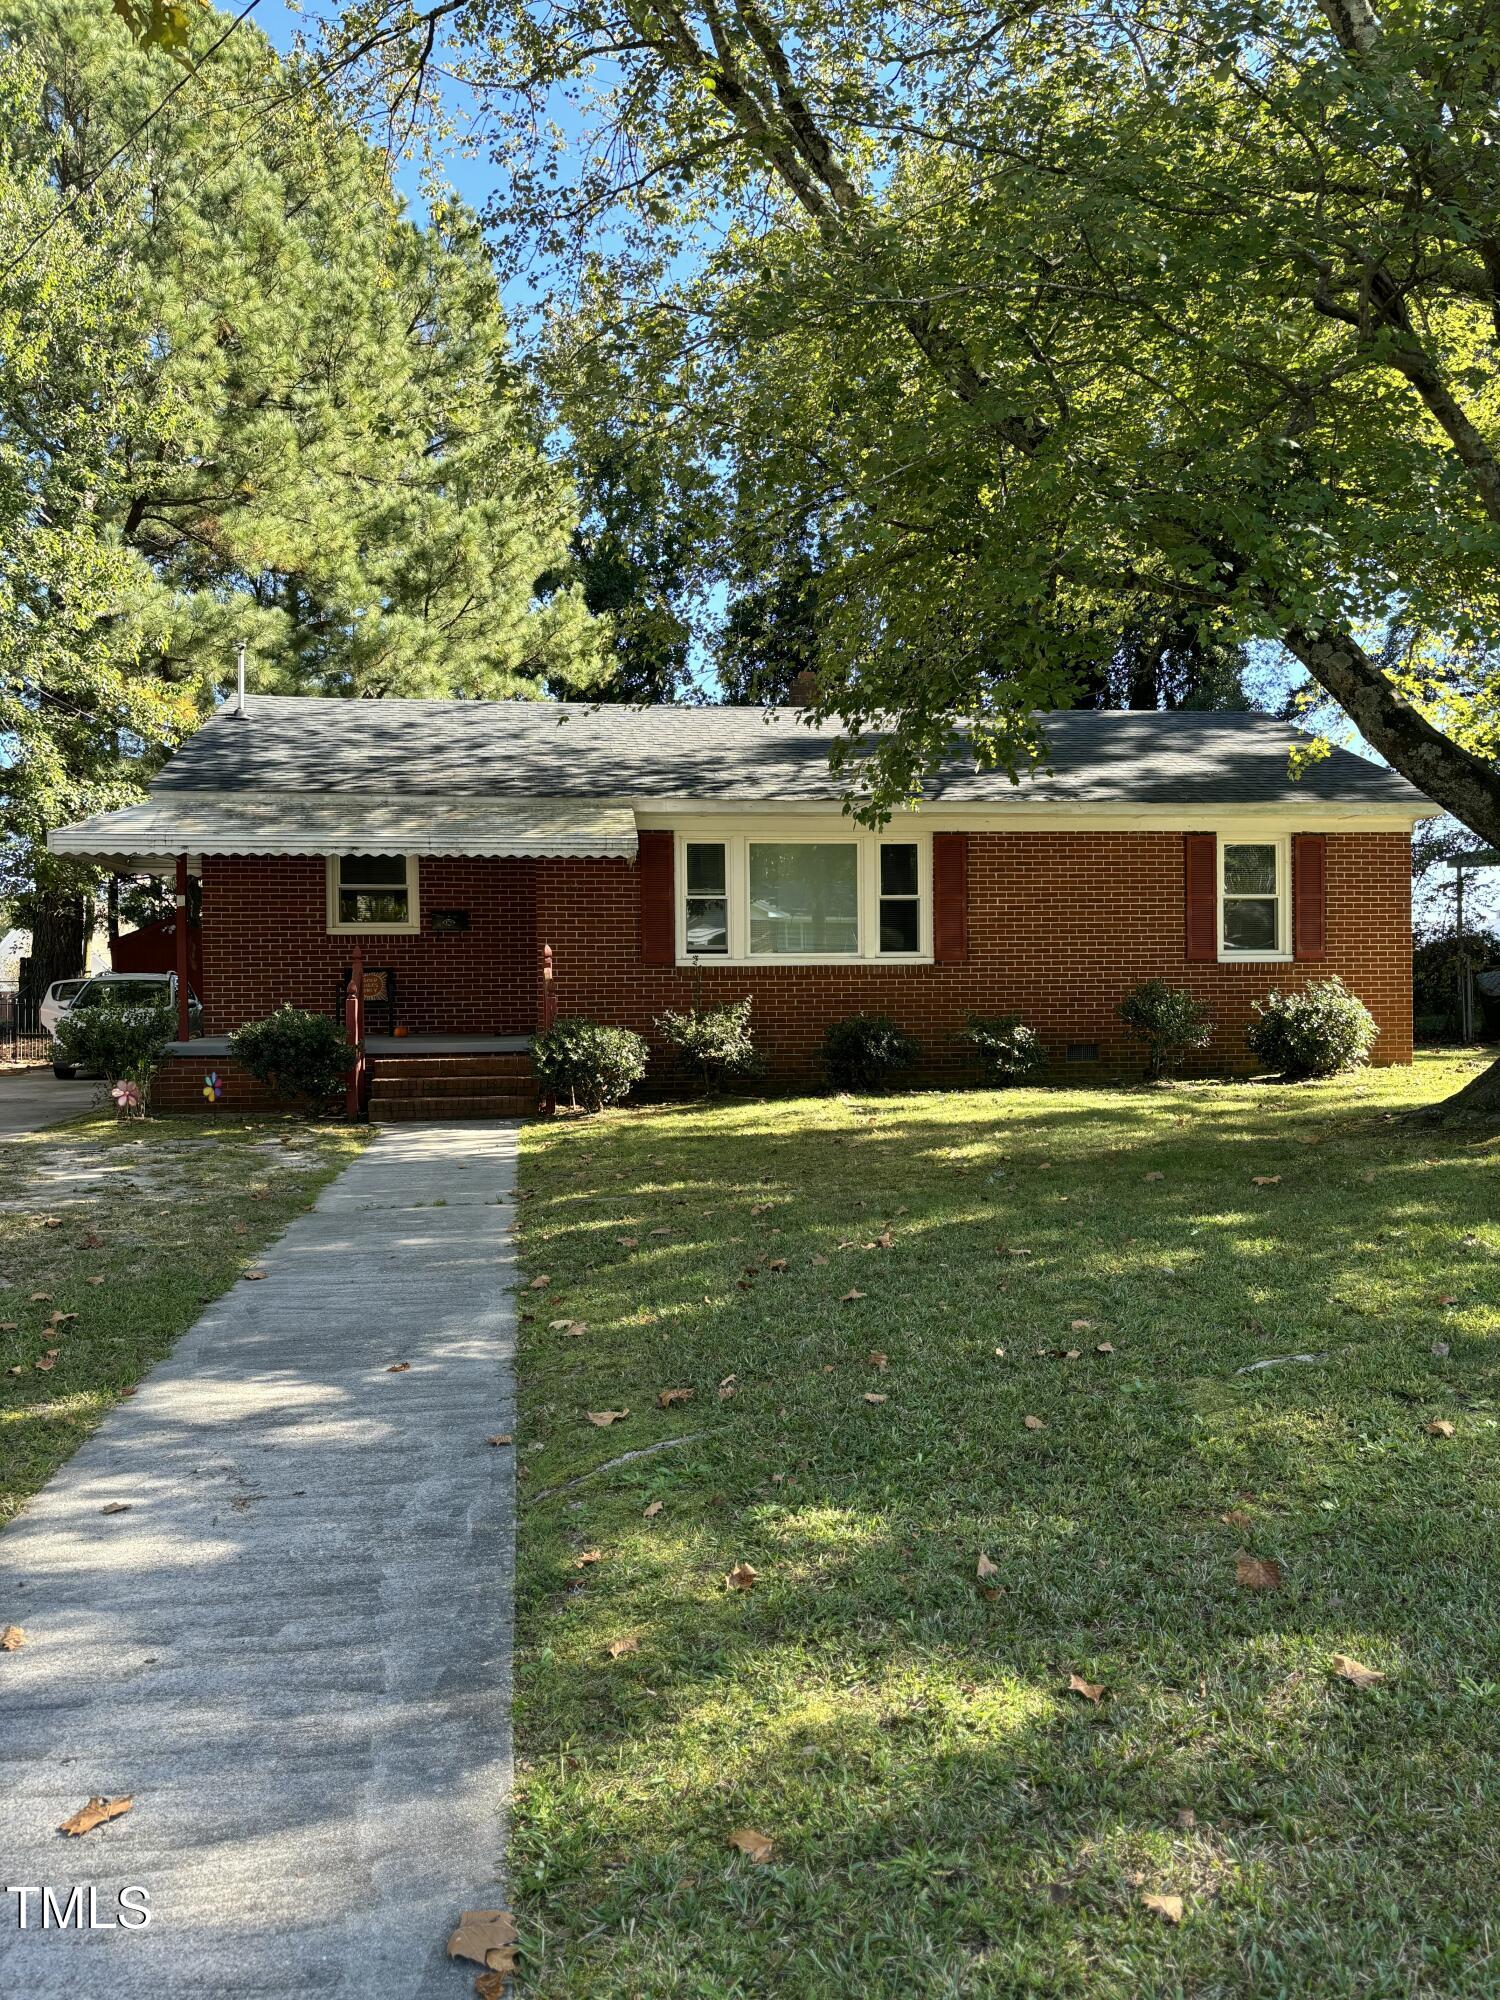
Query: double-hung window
point(1253, 915)
point(373, 892)
point(749, 898)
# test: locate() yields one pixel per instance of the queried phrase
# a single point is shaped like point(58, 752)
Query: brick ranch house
point(655, 854)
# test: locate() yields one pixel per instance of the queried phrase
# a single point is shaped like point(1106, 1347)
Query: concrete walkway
point(294, 1649)
point(32, 1098)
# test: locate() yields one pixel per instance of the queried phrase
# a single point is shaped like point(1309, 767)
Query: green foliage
point(957, 298)
point(867, 1052)
point(121, 1044)
point(303, 1057)
point(591, 1064)
point(1317, 1032)
point(1169, 1021)
point(1435, 976)
point(1008, 1051)
point(714, 1043)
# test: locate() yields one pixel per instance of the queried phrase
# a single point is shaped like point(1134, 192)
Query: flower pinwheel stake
point(129, 1101)
point(213, 1088)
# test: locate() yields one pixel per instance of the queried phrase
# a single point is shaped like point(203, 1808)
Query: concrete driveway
point(31, 1098)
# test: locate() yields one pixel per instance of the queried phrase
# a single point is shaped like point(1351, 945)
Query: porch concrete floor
point(389, 1045)
point(293, 1650)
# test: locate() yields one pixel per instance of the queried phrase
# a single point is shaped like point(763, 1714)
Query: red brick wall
point(1061, 926)
point(178, 1086)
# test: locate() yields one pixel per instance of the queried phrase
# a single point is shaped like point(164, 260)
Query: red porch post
point(180, 907)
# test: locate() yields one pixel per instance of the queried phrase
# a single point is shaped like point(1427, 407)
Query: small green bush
point(121, 1044)
point(1008, 1050)
point(1169, 1021)
point(303, 1057)
point(1318, 1032)
point(594, 1065)
point(715, 1043)
point(866, 1052)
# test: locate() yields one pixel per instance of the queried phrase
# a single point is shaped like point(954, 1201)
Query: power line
point(127, 142)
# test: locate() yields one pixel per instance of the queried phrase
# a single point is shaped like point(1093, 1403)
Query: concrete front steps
point(441, 1088)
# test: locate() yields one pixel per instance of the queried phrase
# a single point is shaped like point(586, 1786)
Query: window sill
point(374, 930)
point(768, 962)
point(1255, 958)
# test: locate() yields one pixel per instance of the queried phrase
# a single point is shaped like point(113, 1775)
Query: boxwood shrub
point(1318, 1032)
point(592, 1065)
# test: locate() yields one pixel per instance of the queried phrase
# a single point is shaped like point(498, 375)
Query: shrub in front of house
point(1008, 1051)
point(303, 1057)
point(1318, 1032)
point(121, 1044)
point(590, 1064)
point(1169, 1021)
point(714, 1043)
point(867, 1052)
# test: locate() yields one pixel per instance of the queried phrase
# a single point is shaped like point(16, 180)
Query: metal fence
point(21, 1037)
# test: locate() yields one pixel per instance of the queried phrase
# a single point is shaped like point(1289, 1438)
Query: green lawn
point(112, 1240)
point(947, 1819)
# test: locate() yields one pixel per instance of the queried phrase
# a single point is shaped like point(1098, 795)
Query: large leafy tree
point(292, 414)
point(1170, 310)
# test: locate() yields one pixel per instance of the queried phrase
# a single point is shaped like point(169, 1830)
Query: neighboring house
point(668, 854)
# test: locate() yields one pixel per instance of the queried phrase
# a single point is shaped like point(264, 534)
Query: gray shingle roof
point(523, 749)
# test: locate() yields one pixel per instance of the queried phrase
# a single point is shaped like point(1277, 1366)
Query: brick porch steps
point(434, 1088)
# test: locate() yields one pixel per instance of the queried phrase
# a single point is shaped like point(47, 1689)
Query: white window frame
point(737, 845)
point(1282, 843)
point(413, 922)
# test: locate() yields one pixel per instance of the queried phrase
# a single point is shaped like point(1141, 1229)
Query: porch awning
point(145, 838)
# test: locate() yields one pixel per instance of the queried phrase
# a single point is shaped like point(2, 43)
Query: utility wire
point(127, 142)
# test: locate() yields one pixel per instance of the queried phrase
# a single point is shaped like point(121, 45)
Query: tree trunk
point(1479, 1099)
point(61, 922)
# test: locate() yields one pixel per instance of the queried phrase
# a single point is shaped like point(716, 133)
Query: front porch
point(392, 1046)
point(398, 1079)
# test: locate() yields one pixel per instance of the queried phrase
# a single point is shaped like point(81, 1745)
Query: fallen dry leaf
point(1440, 1428)
point(817, 1259)
point(628, 1242)
point(589, 1556)
point(1104, 1347)
point(1081, 1325)
point(1168, 1908)
point(661, 1232)
point(501, 1437)
point(670, 1396)
point(653, 1510)
point(878, 1361)
point(540, 1282)
point(1266, 1180)
point(602, 1419)
point(116, 1507)
point(1034, 1423)
point(95, 1813)
point(1153, 1177)
point(617, 1648)
point(1357, 1675)
point(742, 1577)
point(1447, 1299)
point(52, 1222)
point(754, 1846)
point(1090, 1690)
point(99, 1280)
point(12, 1639)
point(1073, 1354)
point(871, 1396)
point(491, 1985)
point(556, 1325)
point(398, 1367)
point(852, 1293)
point(777, 1264)
point(1254, 1574)
point(1237, 1518)
point(252, 1277)
point(44, 1298)
point(484, 1936)
point(985, 1568)
point(46, 1361)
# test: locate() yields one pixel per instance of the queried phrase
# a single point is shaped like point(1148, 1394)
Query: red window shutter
point(1200, 884)
point(1309, 895)
point(654, 882)
point(950, 897)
